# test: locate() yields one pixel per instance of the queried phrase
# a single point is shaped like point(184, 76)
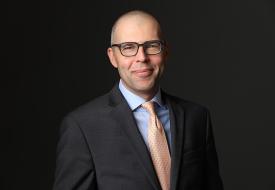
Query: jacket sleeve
point(213, 179)
point(74, 164)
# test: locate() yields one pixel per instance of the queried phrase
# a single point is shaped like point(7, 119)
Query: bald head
point(134, 19)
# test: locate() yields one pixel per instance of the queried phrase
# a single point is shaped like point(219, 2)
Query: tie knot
point(149, 106)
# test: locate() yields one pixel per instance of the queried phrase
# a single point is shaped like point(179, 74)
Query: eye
point(153, 45)
point(128, 47)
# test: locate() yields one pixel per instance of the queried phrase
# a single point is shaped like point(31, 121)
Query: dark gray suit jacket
point(100, 148)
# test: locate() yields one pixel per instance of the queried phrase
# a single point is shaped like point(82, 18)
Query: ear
point(111, 56)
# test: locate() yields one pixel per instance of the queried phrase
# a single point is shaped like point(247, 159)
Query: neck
point(145, 94)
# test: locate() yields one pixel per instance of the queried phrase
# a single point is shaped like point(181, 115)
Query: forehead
point(136, 29)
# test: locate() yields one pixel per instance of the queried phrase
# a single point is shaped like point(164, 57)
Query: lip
point(143, 72)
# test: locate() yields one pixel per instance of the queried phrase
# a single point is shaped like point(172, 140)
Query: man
point(137, 137)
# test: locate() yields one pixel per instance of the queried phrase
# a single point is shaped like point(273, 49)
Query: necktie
point(158, 147)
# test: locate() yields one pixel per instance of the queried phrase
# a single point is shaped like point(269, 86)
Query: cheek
point(124, 68)
point(158, 62)
point(128, 64)
point(124, 63)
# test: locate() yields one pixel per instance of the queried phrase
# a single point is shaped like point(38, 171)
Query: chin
point(146, 85)
point(146, 89)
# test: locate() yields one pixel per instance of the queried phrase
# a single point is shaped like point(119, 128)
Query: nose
point(141, 55)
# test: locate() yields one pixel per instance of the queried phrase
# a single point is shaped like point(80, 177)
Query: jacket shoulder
point(94, 107)
point(187, 105)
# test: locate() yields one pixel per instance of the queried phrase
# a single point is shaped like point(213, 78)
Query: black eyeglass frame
point(162, 45)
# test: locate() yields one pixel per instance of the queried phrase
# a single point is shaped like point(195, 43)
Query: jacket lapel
point(176, 114)
point(123, 115)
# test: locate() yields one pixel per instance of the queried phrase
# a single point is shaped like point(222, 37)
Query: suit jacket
point(101, 148)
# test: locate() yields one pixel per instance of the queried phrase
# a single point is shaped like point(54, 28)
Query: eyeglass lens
point(131, 48)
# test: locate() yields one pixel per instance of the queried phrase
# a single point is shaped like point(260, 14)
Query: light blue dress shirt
point(142, 116)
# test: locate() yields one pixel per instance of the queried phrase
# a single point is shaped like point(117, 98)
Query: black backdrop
point(221, 55)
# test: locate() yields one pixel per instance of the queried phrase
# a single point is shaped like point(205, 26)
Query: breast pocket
point(193, 156)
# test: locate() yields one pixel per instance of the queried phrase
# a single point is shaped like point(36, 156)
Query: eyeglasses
point(129, 49)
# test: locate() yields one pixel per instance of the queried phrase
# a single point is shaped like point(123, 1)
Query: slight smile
point(143, 73)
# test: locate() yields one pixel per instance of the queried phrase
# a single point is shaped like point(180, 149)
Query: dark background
point(221, 55)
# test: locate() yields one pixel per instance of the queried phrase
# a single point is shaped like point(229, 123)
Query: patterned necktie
point(158, 147)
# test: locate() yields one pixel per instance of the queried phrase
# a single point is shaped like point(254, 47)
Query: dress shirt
point(142, 116)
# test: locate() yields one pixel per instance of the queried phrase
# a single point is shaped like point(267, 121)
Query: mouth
point(143, 73)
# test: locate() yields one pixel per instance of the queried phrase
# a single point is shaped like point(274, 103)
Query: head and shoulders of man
point(135, 39)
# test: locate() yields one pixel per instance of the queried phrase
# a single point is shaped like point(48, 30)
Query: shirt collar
point(134, 100)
